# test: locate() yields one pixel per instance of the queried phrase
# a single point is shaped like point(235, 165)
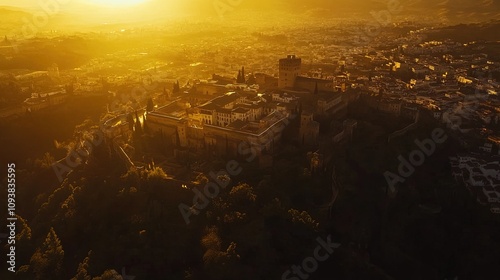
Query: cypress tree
point(82, 273)
point(150, 105)
point(47, 261)
point(177, 88)
point(238, 79)
point(138, 128)
point(130, 121)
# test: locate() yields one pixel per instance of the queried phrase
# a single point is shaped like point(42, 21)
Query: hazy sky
point(479, 9)
point(35, 3)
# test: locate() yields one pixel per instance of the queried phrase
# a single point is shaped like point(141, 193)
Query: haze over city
point(238, 139)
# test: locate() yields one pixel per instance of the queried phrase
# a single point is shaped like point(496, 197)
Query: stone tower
point(289, 69)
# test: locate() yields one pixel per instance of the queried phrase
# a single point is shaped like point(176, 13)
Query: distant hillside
point(10, 19)
point(448, 11)
point(465, 33)
point(457, 11)
point(428, 11)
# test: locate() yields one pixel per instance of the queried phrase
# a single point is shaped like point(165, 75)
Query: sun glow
point(117, 2)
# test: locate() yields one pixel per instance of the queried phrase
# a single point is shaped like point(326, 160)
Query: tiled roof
point(241, 110)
